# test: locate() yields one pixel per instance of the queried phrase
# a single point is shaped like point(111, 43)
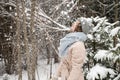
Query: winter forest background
point(30, 31)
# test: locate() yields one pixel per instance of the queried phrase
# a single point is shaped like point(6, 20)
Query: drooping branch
point(50, 19)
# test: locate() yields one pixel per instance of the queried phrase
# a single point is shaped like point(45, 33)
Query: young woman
point(72, 52)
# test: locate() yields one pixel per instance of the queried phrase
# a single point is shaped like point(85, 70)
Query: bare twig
point(101, 3)
point(113, 7)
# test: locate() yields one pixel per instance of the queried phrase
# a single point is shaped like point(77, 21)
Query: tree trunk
point(32, 27)
point(18, 42)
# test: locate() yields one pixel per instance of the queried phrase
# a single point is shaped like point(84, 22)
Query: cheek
point(72, 28)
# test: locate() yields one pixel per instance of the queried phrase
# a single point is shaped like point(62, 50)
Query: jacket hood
point(68, 40)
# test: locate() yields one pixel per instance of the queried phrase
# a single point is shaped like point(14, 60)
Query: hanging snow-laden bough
point(42, 14)
point(99, 72)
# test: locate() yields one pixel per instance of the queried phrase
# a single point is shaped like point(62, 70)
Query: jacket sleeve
point(78, 57)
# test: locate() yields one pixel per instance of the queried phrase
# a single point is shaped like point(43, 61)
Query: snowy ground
point(42, 73)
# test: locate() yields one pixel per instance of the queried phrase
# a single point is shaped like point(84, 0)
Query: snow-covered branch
point(103, 55)
point(115, 31)
point(99, 72)
point(42, 14)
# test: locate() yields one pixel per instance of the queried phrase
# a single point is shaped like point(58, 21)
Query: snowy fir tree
point(103, 57)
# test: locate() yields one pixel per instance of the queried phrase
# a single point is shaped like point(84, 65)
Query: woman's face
point(74, 26)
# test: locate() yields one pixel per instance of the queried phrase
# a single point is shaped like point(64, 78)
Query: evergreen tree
point(103, 58)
